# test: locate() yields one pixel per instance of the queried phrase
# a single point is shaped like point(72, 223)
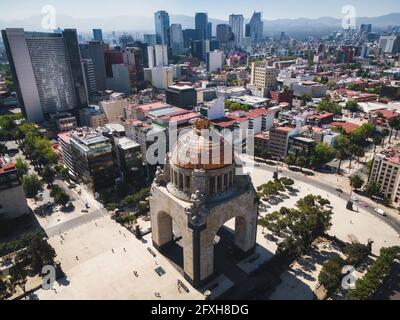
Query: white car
point(380, 211)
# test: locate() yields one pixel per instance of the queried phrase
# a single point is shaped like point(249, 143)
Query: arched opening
point(168, 238)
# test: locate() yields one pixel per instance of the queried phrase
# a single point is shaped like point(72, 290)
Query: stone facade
point(200, 202)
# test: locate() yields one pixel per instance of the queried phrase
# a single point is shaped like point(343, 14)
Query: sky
point(219, 9)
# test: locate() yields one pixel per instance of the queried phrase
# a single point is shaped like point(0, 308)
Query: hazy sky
point(272, 9)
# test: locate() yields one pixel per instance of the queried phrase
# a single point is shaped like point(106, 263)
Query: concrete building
point(114, 108)
point(181, 96)
point(390, 44)
point(158, 56)
point(264, 76)
point(199, 198)
point(94, 50)
point(92, 159)
point(47, 71)
point(215, 61)
point(224, 35)
point(150, 39)
point(236, 22)
point(311, 88)
point(13, 202)
point(162, 77)
point(385, 171)
point(214, 109)
point(279, 140)
point(121, 79)
point(93, 117)
point(89, 77)
point(133, 58)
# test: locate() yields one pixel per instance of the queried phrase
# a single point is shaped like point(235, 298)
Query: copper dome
point(199, 149)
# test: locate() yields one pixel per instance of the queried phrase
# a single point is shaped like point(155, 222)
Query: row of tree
point(331, 274)
point(376, 274)
point(300, 226)
point(273, 188)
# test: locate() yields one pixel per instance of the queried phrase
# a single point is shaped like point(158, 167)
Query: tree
point(22, 166)
point(287, 182)
point(48, 175)
point(329, 106)
point(393, 124)
point(31, 185)
point(322, 154)
point(41, 252)
point(356, 253)
point(301, 162)
point(385, 133)
point(373, 189)
point(306, 97)
point(356, 182)
point(60, 196)
point(3, 149)
point(352, 106)
point(377, 140)
point(290, 160)
point(331, 274)
point(19, 276)
point(4, 290)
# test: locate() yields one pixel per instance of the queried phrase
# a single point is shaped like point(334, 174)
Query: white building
point(264, 76)
point(158, 55)
point(114, 109)
point(390, 44)
point(214, 109)
point(236, 22)
point(215, 60)
point(162, 77)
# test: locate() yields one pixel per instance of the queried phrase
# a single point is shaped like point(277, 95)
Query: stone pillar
point(200, 182)
point(246, 232)
point(161, 224)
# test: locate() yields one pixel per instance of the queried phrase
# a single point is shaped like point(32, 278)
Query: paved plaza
point(100, 257)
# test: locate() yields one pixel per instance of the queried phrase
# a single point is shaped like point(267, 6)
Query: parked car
point(380, 211)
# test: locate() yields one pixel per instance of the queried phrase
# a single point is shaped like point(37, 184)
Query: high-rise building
point(47, 71)
point(201, 22)
point(112, 57)
point(209, 30)
point(365, 28)
point(90, 77)
point(263, 76)
point(158, 56)
point(224, 34)
point(162, 27)
point(98, 35)
point(143, 46)
point(94, 50)
point(256, 28)
point(236, 23)
point(199, 49)
point(133, 58)
point(190, 35)
point(176, 39)
point(215, 60)
point(150, 39)
point(390, 44)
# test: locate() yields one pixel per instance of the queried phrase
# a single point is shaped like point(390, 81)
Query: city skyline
point(20, 10)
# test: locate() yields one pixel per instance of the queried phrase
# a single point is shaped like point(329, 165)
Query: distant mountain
point(146, 24)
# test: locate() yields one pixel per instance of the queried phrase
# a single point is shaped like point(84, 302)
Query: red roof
point(388, 114)
point(347, 126)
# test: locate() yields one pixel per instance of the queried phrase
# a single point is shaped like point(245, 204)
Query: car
point(339, 190)
point(380, 211)
point(355, 199)
point(84, 210)
point(364, 204)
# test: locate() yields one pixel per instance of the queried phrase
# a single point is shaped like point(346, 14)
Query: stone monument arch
point(200, 197)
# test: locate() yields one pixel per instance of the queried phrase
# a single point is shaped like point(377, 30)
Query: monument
point(200, 191)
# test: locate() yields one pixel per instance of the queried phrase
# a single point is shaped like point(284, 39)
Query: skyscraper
point(201, 24)
point(47, 71)
point(98, 35)
point(90, 76)
point(176, 39)
point(190, 35)
point(162, 27)
point(158, 56)
point(94, 51)
point(209, 31)
point(236, 23)
point(224, 33)
point(256, 27)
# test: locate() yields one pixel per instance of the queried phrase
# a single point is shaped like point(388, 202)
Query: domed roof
point(195, 150)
